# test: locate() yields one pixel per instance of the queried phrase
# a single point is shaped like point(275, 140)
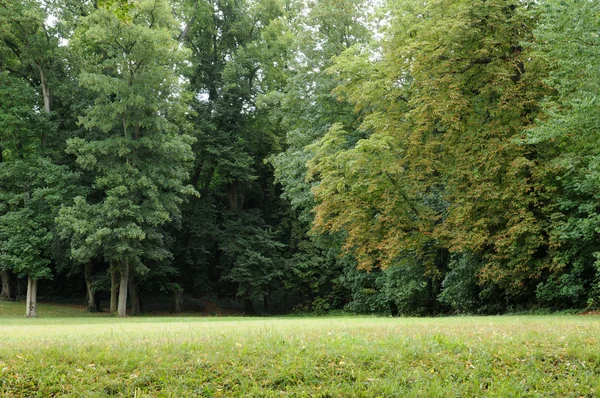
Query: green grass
point(44, 310)
point(517, 356)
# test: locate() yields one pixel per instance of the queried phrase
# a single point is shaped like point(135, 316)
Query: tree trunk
point(91, 295)
point(266, 302)
point(8, 288)
point(178, 301)
point(114, 288)
point(232, 194)
point(134, 297)
point(123, 291)
point(393, 308)
point(46, 95)
point(186, 30)
point(30, 311)
point(248, 307)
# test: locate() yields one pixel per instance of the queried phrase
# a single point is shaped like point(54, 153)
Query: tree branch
point(188, 26)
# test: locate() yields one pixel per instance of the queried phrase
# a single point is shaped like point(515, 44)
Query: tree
point(308, 108)
point(566, 39)
point(29, 46)
point(444, 99)
point(135, 146)
point(32, 187)
point(252, 257)
point(239, 52)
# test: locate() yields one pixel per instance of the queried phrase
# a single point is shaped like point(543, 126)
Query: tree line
point(412, 157)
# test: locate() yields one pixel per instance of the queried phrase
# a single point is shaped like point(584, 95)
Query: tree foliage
point(567, 42)
point(135, 148)
point(404, 156)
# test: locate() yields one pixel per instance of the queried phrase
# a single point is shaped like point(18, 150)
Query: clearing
point(96, 356)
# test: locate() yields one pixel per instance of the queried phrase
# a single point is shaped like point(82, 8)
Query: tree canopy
point(301, 155)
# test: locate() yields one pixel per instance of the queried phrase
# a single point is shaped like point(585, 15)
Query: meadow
point(70, 353)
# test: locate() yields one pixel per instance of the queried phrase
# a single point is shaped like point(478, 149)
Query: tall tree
point(32, 187)
point(239, 51)
point(322, 30)
point(136, 149)
point(568, 132)
point(445, 95)
point(28, 48)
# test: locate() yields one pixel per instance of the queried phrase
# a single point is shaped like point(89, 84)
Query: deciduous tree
point(135, 149)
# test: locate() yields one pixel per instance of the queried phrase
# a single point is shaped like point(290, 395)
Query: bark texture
point(123, 287)
point(91, 295)
point(46, 96)
point(8, 288)
point(30, 310)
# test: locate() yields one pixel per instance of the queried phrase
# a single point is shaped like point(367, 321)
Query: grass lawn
point(328, 357)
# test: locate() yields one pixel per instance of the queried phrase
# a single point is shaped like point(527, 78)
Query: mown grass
point(305, 357)
point(16, 310)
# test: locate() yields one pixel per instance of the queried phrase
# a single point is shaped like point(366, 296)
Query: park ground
point(71, 353)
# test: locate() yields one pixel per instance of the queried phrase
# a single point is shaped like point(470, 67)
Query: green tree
point(566, 39)
point(251, 257)
point(29, 50)
point(135, 149)
point(29, 46)
point(444, 97)
point(239, 52)
point(308, 109)
point(32, 187)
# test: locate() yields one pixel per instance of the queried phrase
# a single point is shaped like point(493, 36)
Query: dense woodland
point(405, 157)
